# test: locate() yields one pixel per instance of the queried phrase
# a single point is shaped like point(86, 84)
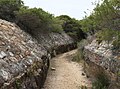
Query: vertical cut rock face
point(100, 59)
point(18, 52)
point(23, 60)
point(60, 42)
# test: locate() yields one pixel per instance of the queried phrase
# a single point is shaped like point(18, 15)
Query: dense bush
point(101, 82)
point(79, 57)
point(105, 20)
point(72, 27)
point(8, 8)
point(32, 20)
point(37, 21)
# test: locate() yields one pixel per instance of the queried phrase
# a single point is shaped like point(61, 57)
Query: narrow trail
point(67, 74)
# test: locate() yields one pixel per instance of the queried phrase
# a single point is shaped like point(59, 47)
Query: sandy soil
point(67, 74)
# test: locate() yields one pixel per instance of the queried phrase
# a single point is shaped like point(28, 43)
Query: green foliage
point(35, 19)
point(72, 27)
point(119, 73)
point(18, 84)
point(38, 21)
point(106, 34)
point(78, 57)
point(105, 15)
point(8, 8)
point(32, 20)
point(56, 25)
point(80, 53)
point(101, 82)
point(83, 87)
point(116, 42)
point(88, 24)
point(105, 21)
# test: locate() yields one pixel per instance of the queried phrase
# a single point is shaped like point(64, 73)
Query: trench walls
point(100, 59)
point(24, 61)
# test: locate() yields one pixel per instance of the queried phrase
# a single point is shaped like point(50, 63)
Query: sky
point(72, 8)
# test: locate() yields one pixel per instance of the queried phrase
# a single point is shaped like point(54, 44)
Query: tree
point(72, 27)
point(105, 21)
point(8, 8)
point(36, 21)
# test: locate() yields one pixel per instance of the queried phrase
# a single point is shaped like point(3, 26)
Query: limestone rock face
point(23, 60)
point(99, 59)
point(18, 51)
point(102, 49)
point(54, 40)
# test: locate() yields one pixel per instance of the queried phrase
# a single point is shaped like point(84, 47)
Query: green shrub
point(78, 57)
point(106, 35)
point(80, 53)
point(38, 21)
point(8, 8)
point(101, 82)
point(32, 20)
point(83, 87)
point(72, 27)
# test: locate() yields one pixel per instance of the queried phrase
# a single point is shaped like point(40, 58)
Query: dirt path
point(67, 74)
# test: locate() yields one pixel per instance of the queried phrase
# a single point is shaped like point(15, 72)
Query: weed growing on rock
point(83, 87)
point(80, 54)
point(101, 82)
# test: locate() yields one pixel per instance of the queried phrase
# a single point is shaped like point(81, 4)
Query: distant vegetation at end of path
point(37, 20)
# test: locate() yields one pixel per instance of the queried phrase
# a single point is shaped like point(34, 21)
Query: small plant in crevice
point(101, 82)
point(118, 73)
point(78, 57)
point(80, 53)
point(83, 87)
point(18, 84)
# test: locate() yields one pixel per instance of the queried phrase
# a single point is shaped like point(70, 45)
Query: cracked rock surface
point(101, 57)
point(18, 50)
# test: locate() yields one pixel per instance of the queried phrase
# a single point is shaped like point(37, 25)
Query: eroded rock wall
point(100, 59)
point(23, 60)
point(60, 42)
